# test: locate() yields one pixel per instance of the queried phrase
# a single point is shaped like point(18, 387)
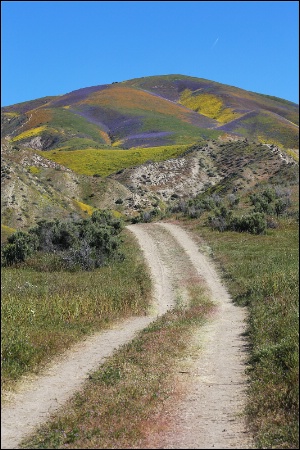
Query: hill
point(148, 112)
point(133, 144)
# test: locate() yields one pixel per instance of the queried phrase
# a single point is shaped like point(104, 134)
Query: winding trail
point(210, 413)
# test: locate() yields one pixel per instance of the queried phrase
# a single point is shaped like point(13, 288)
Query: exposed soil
point(207, 408)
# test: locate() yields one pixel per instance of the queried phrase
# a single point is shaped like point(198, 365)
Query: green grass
point(106, 162)
point(42, 312)
point(68, 121)
point(262, 272)
point(78, 143)
point(267, 128)
point(184, 132)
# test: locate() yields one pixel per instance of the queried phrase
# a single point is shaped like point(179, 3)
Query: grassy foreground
point(43, 313)
point(124, 395)
point(262, 272)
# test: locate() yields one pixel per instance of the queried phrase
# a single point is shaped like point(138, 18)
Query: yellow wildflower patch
point(7, 229)
point(209, 105)
point(29, 133)
point(105, 162)
point(34, 169)
point(84, 207)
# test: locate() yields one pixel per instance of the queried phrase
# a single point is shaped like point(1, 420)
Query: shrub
point(281, 205)
point(217, 223)
point(20, 246)
point(85, 244)
point(254, 223)
point(54, 235)
point(261, 203)
point(233, 200)
point(194, 213)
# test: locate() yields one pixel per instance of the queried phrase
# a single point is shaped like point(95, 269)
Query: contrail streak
point(214, 43)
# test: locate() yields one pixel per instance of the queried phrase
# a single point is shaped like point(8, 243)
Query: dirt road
point(209, 415)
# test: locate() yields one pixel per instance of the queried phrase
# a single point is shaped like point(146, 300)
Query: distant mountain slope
point(149, 112)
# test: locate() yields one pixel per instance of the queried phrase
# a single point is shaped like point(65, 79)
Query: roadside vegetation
point(71, 245)
point(253, 236)
point(262, 272)
point(54, 307)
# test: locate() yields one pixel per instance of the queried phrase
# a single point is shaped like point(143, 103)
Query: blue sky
point(54, 47)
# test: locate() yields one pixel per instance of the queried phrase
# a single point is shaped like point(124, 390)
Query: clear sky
point(54, 47)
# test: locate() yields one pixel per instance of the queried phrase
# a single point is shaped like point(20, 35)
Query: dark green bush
point(55, 235)
point(20, 246)
point(254, 223)
point(85, 244)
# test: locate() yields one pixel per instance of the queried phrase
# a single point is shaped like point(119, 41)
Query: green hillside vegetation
point(106, 162)
point(6, 232)
point(182, 132)
point(267, 128)
point(62, 126)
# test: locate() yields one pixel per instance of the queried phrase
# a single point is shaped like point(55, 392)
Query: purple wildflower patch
point(78, 95)
point(152, 134)
point(23, 107)
point(148, 140)
point(201, 121)
point(117, 124)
